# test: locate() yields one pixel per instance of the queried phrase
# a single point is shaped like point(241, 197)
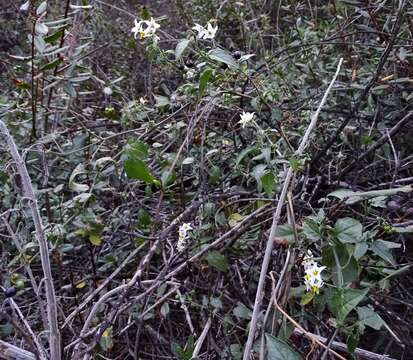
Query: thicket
point(197, 179)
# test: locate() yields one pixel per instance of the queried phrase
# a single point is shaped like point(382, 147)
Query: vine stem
point(276, 217)
point(28, 192)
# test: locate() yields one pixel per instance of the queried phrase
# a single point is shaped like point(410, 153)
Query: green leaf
point(136, 149)
point(348, 230)
point(353, 196)
point(223, 56)
point(137, 169)
point(280, 350)
point(360, 250)
point(258, 172)
point(312, 229)
point(349, 265)
point(106, 341)
point(285, 232)
point(217, 260)
point(180, 48)
point(168, 178)
point(214, 175)
point(55, 36)
point(95, 239)
point(244, 153)
point(383, 249)
point(268, 181)
point(204, 78)
point(307, 298)
point(367, 316)
point(242, 312)
point(51, 64)
point(344, 300)
point(352, 342)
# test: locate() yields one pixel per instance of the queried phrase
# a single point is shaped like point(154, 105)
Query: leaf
point(168, 178)
point(137, 169)
point(214, 175)
point(180, 48)
point(307, 298)
point(95, 239)
point(41, 8)
point(268, 181)
point(165, 309)
point(73, 185)
point(51, 64)
point(258, 172)
point(352, 342)
point(383, 249)
point(285, 232)
point(244, 153)
point(348, 230)
point(312, 229)
point(369, 317)
point(161, 101)
point(353, 196)
point(280, 350)
point(345, 300)
point(204, 78)
point(106, 341)
point(347, 262)
point(39, 44)
point(217, 260)
point(360, 250)
point(242, 312)
point(223, 56)
point(188, 161)
point(53, 37)
point(136, 149)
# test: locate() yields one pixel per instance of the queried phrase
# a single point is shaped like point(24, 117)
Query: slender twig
point(276, 217)
point(39, 347)
point(54, 334)
point(201, 339)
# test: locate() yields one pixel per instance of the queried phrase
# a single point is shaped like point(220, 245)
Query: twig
point(201, 339)
point(54, 334)
point(343, 347)
point(276, 218)
point(11, 352)
point(39, 347)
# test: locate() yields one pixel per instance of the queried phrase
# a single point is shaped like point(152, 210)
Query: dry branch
point(53, 329)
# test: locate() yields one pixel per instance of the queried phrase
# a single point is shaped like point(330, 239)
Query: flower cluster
point(183, 236)
point(146, 29)
point(246, 117)
point(312, 278)
point(206, 33)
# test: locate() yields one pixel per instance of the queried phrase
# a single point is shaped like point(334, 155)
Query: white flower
point(190, 73)
point(207, 33)
point(107, 91)
point(246, 117)
point(312, 278)
point(142, 100)
point(183, 236)
point(146, 29)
